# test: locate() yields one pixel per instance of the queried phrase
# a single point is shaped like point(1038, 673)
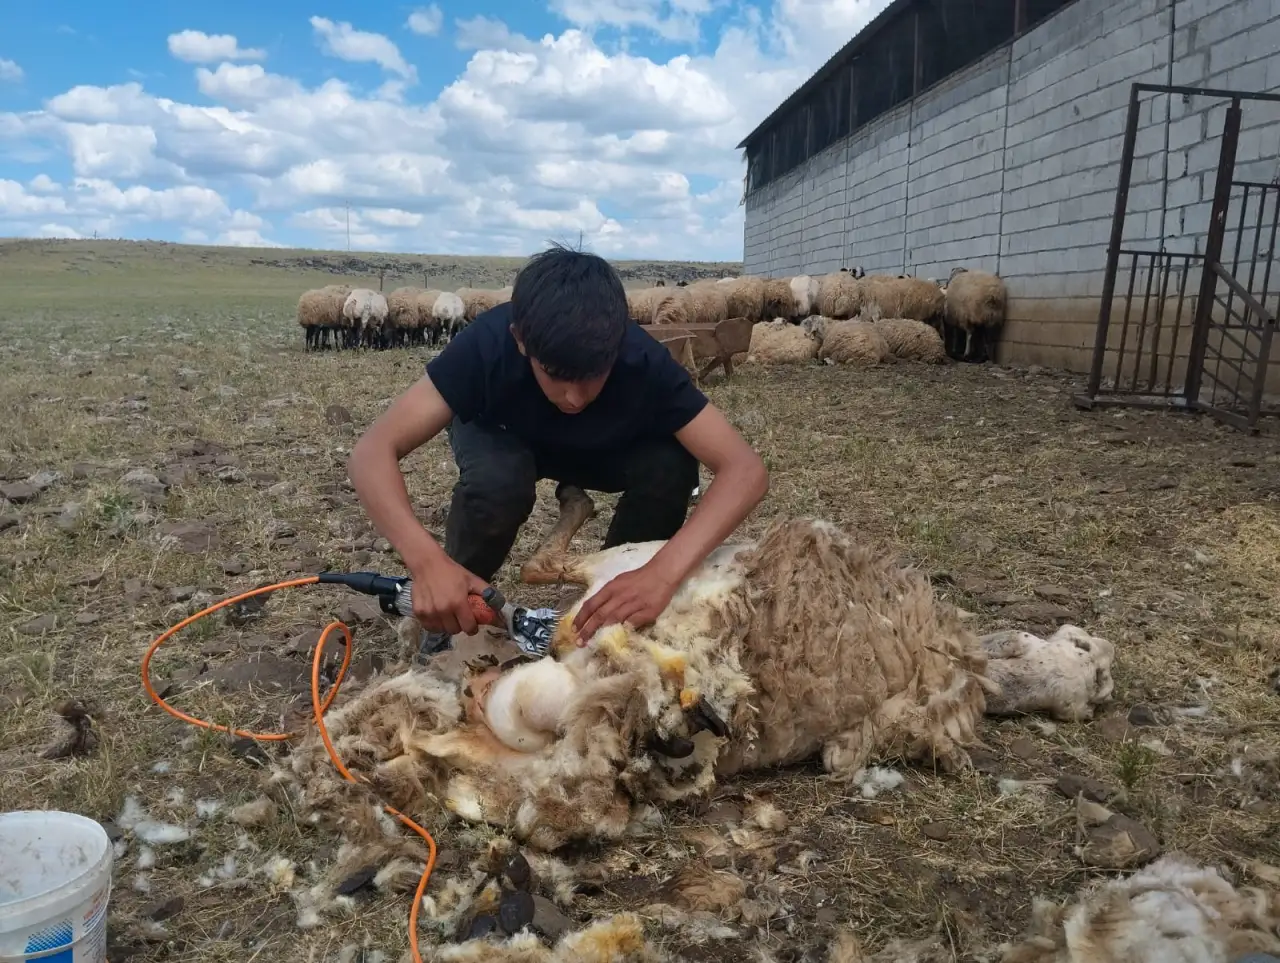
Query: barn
point(1024, 137)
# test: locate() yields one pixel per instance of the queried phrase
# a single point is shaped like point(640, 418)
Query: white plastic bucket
point(55, 881)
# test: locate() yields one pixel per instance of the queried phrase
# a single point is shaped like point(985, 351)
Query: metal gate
point(1222, 367)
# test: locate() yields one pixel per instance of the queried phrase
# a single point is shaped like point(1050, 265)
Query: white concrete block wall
point(1012, 164)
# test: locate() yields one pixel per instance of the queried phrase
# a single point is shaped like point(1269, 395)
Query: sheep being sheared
point(975, 304)
point(1067, 674)
point(800, 643)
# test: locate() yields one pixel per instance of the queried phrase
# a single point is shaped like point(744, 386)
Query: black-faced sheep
point(974, 311)
point(800, 643)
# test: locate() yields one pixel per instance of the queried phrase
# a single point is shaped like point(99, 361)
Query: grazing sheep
point(805, 291)
point(476, 301)
point(672, 307)
point(428, 327)
point(839, 296)
point(708, 303)
point(320, 314)
point(901, 297)
point(910, 340)
point(1067, 674)
point(365, 311)
point(402, 315)
point(642, 304)
point(781, 342)
point(1173, 910)
point(974, 311)
point(853, 342)
point(802, 643)
point(450, 313)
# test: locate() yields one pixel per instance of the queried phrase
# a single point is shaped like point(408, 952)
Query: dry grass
point(1158, 531)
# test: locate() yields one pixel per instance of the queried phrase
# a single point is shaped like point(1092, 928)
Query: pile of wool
point(781, 342)
point(911, 340)
point(854, 342)
point(839, 296)
point(1172, 910)
point(884, 296)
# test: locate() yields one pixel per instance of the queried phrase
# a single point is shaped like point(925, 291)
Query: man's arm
point(440, 585)
point(740, 482)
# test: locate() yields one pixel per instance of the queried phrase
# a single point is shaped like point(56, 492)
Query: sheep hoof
point(702, 716)
point(674, 747)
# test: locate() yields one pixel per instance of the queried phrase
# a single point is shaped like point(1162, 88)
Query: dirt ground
point(169, 443)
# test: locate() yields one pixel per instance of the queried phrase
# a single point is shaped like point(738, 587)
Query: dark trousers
point(498, 472)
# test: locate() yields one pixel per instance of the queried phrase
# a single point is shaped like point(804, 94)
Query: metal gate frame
point(1255, 322)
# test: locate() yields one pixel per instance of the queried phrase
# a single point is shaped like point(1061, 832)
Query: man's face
point(569, 396)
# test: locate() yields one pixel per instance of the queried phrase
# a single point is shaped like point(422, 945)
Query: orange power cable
point(318, 707)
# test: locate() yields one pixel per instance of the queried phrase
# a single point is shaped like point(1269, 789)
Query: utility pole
point(348, 227)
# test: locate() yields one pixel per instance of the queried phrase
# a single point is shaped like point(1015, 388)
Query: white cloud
point(426, 21)
point(10, 72)
point(671, 19)
point(197, 47)
point(343, 41)
point(536, 138)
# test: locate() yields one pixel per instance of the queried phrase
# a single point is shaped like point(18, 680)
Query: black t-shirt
point(483, 376)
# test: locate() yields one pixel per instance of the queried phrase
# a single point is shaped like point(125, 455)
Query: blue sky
point(447, 128)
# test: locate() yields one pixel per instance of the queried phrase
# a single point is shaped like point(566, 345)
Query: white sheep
point(974, 311)
point(449, 312)
point(365, 310)
point(802, 643)
point(1067, 674)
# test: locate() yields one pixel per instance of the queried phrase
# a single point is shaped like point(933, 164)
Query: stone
point(229, 474)
point(140, 477)
point(235, 566)
point(1039, 613)
point(195, 538)
point(1144, 716)
point(357, 881)
point(337, 415)
point(8, 521)
point(548, 921)
point(360, 610)
point(1054, 593)
point(39, 625)
point(44, 479)
point(827, 915)
point(939, 832)
point(1024, 748)
point(182, 593)
point(164, 909)
point(1119, 843)
point(1112, 728)
point(86, 618)
point(1071, 785)
point(88, 580)
point(516, 910)
point(18, 492)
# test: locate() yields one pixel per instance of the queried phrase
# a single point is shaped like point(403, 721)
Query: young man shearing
point(558, 383)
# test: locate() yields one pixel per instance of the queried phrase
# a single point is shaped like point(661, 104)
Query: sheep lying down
point(802, 643)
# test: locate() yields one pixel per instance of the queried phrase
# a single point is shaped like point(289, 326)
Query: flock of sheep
point(845, 316)
point(364, 318)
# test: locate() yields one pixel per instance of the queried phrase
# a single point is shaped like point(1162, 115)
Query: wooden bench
point(710, 344)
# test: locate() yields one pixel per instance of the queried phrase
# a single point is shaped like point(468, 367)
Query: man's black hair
point(570, 310)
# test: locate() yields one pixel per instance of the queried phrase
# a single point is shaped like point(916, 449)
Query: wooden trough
point(710, 345)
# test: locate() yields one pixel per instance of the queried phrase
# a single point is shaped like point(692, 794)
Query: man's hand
point(636, 598)
point(440, 590)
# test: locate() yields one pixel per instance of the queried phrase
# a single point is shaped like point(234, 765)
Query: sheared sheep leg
point(553, 562)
